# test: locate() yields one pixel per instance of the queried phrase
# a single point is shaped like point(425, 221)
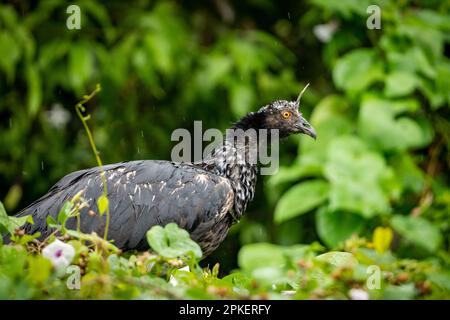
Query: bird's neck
point(230, 161)
point(237, 160)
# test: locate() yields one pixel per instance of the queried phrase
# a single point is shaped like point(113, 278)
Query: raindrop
point(42, 165)
point(142, 133)
point(289, 15)
point(139, 151)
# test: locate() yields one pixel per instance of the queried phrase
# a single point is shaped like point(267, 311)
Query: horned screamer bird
point(203, 198)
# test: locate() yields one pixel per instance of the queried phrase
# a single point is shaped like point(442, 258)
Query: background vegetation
point(379, 100)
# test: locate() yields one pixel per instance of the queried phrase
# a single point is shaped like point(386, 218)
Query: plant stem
point(79, 107)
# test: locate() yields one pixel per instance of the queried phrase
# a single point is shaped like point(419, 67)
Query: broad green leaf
point(172, 242)
point(329, 108)
point(265, 262)
point(411, 60)
point(380, 124)
point(356, 175)
point(301, 199)
point(418, 231)
point(430, 40)
point(334, 227)
point(260, 255)
point(338, 258)
point(330, 121)
point(357, 70)
point(20, 221)
point(400, 84)
point(9, 224)
point(102, 203)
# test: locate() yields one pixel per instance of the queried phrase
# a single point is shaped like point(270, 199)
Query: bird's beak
point(304, 127)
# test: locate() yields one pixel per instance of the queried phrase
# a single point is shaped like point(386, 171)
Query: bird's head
point(282, 115)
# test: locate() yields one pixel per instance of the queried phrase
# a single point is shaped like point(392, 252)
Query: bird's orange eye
point(286, 114)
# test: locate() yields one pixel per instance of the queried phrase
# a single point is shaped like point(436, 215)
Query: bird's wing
point(141, 194)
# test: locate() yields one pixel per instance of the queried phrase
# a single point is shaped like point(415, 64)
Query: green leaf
point(265, 262)
point(379, 123)
point(411, 60)
point(356, 175)
point(51, 222)
point(338, 258)
point(64, 213)
point(260, 255)
point(418, 231)
point(301, 199)
point(334, 227)
point(102, 204)
point(400, 84)
point(330, 119)
point(357, 70)
point(11, 223)
point(172, 242)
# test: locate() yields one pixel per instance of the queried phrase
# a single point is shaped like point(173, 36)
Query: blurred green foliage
point(379, 100)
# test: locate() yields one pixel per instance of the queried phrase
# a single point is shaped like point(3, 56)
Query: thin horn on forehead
point(301, 93)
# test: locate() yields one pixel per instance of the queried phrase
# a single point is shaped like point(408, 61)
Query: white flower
point(60, 254)
point(173, 281)
point(358, 294)
point(324, 32)
point(58, 116)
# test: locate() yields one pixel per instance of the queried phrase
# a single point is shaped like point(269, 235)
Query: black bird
point(204, 198)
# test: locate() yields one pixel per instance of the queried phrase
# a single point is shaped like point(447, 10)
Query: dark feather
point(141, 194)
